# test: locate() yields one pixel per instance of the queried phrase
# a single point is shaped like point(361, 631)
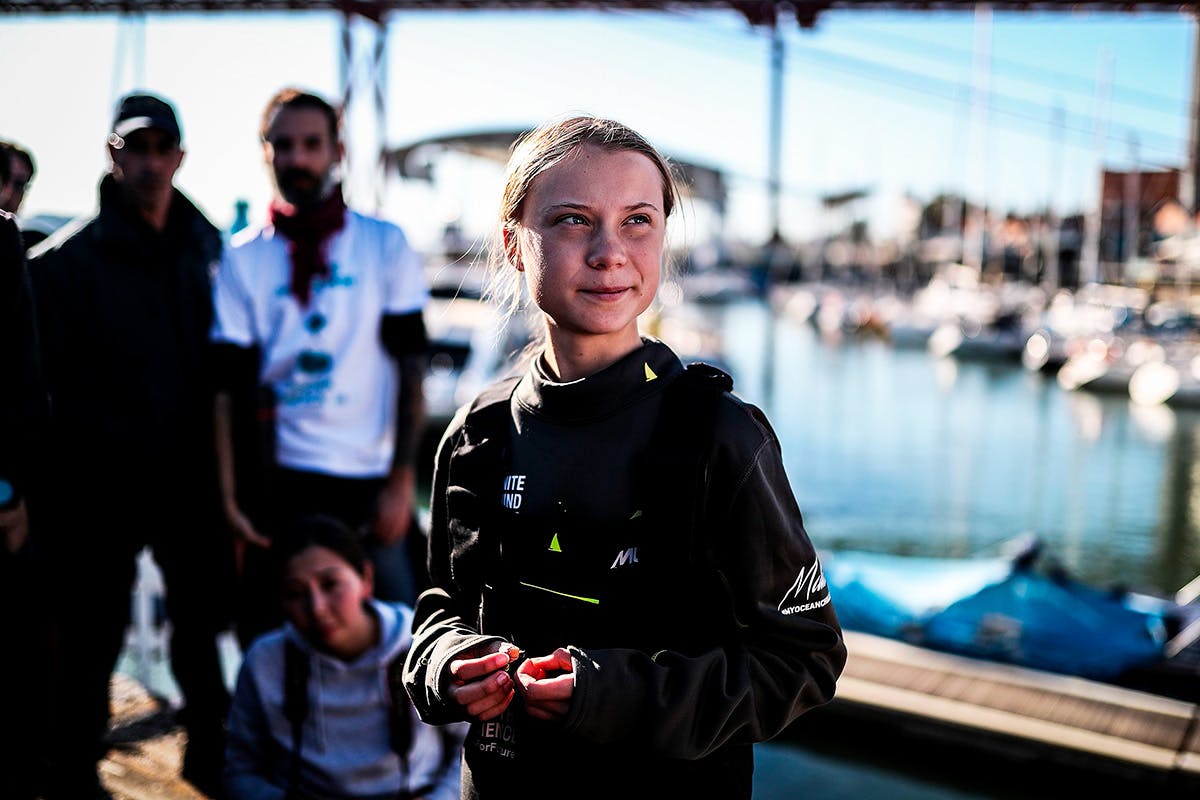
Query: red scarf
point(308, 232)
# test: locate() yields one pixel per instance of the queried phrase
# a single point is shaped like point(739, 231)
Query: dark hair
point(291, 97)
point(24, 155)
point(5, 163)
point(318, 530)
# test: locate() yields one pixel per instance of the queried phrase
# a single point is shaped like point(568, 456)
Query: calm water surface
point(893, 450)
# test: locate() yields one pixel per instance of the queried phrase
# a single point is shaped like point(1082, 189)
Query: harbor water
point(894, 450)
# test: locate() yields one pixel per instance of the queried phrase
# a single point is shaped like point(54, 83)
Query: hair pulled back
point(541, 149)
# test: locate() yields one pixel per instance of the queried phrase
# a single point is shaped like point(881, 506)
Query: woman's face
point(590, 242)
point(324, 598)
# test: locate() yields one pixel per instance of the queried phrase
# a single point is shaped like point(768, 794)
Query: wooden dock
point(147, 747)
point(1079, 720)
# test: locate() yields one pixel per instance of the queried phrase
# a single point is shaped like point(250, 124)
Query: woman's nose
point(606, 249)
point(314, 603)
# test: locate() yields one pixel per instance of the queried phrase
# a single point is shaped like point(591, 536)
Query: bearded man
point(320, 312)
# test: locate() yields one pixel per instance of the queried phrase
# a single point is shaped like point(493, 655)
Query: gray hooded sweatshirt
point(347, 747)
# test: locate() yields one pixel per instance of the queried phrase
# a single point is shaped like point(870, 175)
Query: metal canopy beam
point(411, 161)
point(757, 12)
point(765, 13)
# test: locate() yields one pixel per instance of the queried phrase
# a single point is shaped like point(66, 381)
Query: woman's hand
point(546, 684)
point(481, 686)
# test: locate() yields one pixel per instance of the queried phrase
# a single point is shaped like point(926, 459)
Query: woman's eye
point(572, 219)
point(640, 219)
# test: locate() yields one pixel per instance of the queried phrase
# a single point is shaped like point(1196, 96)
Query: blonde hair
point(537, 151)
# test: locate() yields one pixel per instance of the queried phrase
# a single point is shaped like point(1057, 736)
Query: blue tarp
point(989, 608)
point(1059, 626)
point(894, 596)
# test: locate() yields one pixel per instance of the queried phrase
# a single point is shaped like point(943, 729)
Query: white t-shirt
point(335, 385)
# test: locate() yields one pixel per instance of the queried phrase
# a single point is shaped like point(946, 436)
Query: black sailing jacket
point(695, 611)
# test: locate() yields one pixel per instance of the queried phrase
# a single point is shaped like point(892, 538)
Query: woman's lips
point(612, 293)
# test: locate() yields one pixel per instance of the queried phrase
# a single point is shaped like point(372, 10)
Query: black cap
point(137, 112)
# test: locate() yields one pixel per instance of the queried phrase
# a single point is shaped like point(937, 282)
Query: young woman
point(624, 596)
point(314, 715)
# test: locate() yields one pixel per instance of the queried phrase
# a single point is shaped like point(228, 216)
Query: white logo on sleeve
point(809, 584)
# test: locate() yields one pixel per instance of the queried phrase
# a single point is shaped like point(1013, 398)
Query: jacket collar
point(120, 226)
point(611, 389)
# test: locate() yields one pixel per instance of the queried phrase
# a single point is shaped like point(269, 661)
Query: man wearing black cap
point(124, 307)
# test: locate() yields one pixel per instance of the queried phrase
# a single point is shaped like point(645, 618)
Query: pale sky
point(872, 100)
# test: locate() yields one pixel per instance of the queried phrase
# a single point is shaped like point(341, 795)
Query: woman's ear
point(512, 248)
point(368, 580)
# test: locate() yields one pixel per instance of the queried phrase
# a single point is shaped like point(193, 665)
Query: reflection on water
point(894, 450)
point(784, 772)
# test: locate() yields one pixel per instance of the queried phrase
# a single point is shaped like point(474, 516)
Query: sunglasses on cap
point(142, 145)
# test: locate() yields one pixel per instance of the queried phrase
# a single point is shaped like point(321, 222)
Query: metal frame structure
point(757, 12)
point(410, 161)
point(770, 14)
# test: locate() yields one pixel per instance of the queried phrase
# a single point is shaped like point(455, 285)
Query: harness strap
point(674, 463)
point(489, 412)
point(296, 672)
point(677, 459)
point(295, 703)
point(399, 718)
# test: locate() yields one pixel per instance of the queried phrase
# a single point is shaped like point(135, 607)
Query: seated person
point(314, 714)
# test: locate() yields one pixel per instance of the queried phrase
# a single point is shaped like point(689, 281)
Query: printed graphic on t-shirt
point(335, 280)
point(311, 381)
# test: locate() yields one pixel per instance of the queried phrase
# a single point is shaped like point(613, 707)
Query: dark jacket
point(125, 312)
point(695, 611)
point(23, 405)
